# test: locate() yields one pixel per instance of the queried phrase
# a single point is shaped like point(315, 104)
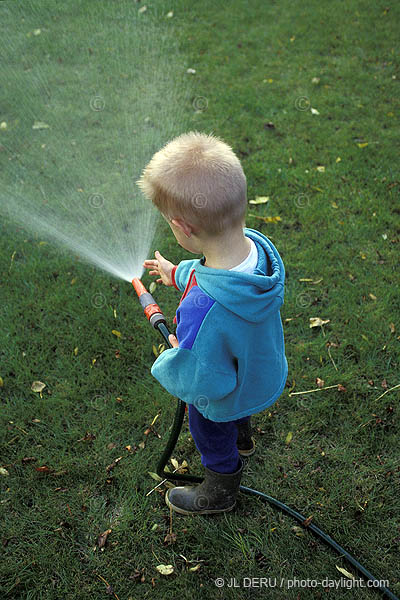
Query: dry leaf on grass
point(317, 322)
point(101, 540)
point(165, 569)
point(37, 386)
point(259, 200)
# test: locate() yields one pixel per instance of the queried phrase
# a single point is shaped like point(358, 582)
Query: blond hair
point(197, 177)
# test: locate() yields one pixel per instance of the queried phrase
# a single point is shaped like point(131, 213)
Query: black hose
point(166, 455)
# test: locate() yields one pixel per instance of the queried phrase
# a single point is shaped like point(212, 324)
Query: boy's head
point(196, 180)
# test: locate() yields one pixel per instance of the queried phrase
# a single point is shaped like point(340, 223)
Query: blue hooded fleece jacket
point(231, 361)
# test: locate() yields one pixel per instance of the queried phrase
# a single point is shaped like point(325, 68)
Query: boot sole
point(182, 511)
point(247, 452)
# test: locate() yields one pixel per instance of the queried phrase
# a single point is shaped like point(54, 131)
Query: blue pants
point(216, 442)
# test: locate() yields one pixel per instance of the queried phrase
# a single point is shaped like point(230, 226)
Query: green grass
point(339, 228)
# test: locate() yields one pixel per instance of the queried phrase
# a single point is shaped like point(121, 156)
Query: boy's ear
point(186, 228)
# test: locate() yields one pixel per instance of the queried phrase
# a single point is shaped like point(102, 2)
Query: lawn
point(307, 95)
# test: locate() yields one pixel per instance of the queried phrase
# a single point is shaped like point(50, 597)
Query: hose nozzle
point(151, 309)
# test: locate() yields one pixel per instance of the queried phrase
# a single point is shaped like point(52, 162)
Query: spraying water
point(85, 101)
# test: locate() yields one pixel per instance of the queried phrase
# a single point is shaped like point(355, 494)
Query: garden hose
point(158, 321)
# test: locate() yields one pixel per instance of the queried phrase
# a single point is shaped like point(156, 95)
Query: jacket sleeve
point(181, 273)
point(192, 379)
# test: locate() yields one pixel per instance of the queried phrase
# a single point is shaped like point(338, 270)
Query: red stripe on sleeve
point(173, 277)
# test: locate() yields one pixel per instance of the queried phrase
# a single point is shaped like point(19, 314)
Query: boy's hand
point(173, 341)
point(162, 267)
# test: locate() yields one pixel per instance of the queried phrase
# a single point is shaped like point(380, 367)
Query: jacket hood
point(248, 295)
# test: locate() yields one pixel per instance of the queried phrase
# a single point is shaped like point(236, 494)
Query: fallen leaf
point(117, 333)
point(191, 71)
point(314, 111)
point(196, 568)
point(372, 296)
point(317, 322)
point(289, 437)
point(321, 169)
point(170, 14)
point(363, 145)
point(345, 573)
point(154, 476)
point(175, 463)
point(165, 569)
point(159, 350)
point(142, 9)
point(153, 287)
point(341, 388)
point(320, 382)
point(37, 386)
point(170, 538)
point(101, 540)
point(2, 382)
point(259, 200)
point(113, 464)
point(88, 437)
point(307, 521)
point(4, 471)
point(44, 469)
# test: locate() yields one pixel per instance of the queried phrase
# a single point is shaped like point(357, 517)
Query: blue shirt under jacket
point(231, 361)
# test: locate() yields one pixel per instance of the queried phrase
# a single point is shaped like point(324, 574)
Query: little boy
point(228, 357)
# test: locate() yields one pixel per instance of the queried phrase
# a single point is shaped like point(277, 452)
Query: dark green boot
point(245, 443)
point(217, 493)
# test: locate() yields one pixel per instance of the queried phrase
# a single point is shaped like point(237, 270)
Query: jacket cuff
point(173, 277)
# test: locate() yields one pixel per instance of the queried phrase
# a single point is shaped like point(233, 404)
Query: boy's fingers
point(173, 341)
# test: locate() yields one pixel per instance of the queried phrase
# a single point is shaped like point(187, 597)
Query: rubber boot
point(245, 443)
point(217, 493)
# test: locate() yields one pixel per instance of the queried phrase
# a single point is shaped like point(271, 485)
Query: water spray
point(157, 319)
